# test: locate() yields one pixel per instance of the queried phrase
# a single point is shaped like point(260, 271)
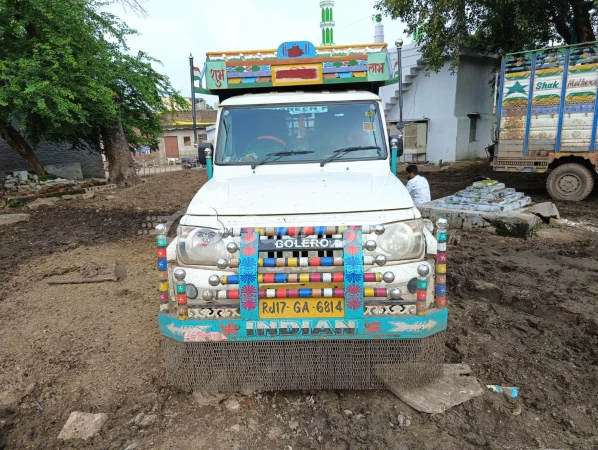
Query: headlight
point(403, 240)
point(200, 245)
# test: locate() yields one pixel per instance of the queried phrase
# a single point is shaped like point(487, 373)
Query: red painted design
point(354, 304)
point(293, 293)
point(248, 251)
point(352, 250)
point(181, 299)
point(373, 327)
point(300, 73)
point(376, 67)
point(249, 237)
point(269, 278)
point(217, 76)
point(229, 329)
point(161, 253)
point(350, 237)
point(249, 305)
point(354, 290)
point(308, 231)
point(421, 295)
point(314, 261)
point(293, 231)
point(295, 51)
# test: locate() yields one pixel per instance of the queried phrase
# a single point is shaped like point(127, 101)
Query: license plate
point(279, 245)
point(288, 308)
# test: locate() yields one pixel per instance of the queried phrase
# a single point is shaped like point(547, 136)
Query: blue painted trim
point(530, 99)
point(209, 167)
point(501, 88)
point(393, 160)
point(262, 73)
point(381, 327)
point(594, 124)
point(353, 274)
point(248, 267)
point(344, 69)
point(559, 130)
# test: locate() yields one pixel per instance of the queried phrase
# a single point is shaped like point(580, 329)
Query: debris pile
point(486, 195)
point(26, 183)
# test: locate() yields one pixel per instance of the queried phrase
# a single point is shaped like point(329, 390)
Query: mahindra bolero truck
point(302, 262)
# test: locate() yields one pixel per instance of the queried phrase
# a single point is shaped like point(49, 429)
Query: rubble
point(82, 425)
point(487, 195)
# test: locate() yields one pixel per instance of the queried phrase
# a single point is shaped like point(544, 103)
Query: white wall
point(429, 97)
point(474, 95)
point(184, 151)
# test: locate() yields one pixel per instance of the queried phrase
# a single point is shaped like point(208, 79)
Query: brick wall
point(91, 163)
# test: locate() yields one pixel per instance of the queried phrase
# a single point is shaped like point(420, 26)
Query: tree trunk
point(121, 167)
point(18, 143)
point(581, 20)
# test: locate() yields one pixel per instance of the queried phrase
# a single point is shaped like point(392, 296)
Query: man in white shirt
point(417, 186)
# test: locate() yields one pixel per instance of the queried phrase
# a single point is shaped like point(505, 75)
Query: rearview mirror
point(201, 151)
point(399, 143)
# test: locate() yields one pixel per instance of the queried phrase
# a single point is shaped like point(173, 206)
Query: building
point(449, 115)
point(178, 139)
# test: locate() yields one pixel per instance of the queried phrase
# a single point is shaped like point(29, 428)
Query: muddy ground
point(522, 313)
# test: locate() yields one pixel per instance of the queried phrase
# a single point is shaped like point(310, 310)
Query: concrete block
point(7, 219)
point(72, 197)
point(103, 187)
point(518, 223)
point(70, 171)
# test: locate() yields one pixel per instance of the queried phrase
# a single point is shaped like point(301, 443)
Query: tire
point(572, 182)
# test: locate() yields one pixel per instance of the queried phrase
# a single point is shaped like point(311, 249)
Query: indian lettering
point(297, 73)
point(218, 76)
point(300, 327)
point(376, 67)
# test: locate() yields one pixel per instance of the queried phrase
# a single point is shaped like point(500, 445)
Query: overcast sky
point(176, 28)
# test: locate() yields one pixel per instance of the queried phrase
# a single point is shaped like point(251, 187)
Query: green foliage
point(65, 71)
point(444, 28)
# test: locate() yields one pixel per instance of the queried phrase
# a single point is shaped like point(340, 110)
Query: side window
point(187, 141)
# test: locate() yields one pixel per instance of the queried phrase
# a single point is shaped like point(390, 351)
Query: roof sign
point(295, 50)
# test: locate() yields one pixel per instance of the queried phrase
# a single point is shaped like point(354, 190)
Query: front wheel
point(572, 182)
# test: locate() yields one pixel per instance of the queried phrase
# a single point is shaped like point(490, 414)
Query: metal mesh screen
point(288, 365)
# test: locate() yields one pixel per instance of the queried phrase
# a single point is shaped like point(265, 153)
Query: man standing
point(417, 186)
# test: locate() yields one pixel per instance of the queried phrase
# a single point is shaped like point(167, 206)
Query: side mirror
point(398, 144)
point(201, 151)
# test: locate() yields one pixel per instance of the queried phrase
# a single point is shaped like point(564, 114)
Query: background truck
point(302, 263)
point(546, 120)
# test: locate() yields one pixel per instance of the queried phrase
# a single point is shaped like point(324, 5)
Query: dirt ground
point(521, 313)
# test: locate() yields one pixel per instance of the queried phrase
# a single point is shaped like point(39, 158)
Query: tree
point(446, 27)
point(68, 78)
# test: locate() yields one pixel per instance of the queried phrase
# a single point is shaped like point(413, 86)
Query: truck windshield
point(300, 133)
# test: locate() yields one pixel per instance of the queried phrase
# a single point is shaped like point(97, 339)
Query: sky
point(177, 28)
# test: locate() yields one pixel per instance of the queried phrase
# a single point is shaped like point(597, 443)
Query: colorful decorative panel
point(294, 50)
point(289, 75)
point(378, 69)
point(216, 75)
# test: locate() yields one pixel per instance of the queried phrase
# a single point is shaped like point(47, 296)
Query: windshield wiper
point(279, 154)
point(342, 151)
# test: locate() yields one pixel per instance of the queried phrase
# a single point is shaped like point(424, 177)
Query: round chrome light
point(214, 280)
point(180, 274)
point(208, 296)
point(222, 263)
point(388, 277)
point(395, 293)
point(379, 229)
point(380, 260)
point(423, 270)
point(232, 247)
point(161, 228)
point(191, 291)
point(370, 245)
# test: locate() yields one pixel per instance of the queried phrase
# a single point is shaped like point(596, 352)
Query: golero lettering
point(376, 67)
point(582, 82)
point(300, 327)
point(218, 76)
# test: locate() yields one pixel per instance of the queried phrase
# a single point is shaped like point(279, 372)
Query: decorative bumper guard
point(348, 321)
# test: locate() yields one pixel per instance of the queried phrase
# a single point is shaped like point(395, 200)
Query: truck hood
point(275, 194)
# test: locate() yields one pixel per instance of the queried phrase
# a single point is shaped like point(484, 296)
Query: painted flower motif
point(352, 250)
point(354, 290)
point(353, 277)
point(248, 292)
point(353, 261)
point(249, 237)
point(248, 278)
point(248, 251)
point(354, 304)
point(351, 236)
point(249, 304)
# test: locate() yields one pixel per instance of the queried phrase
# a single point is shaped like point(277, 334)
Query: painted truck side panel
point(547, 101)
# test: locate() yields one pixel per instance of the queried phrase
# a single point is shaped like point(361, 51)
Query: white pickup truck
point(302, 263)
